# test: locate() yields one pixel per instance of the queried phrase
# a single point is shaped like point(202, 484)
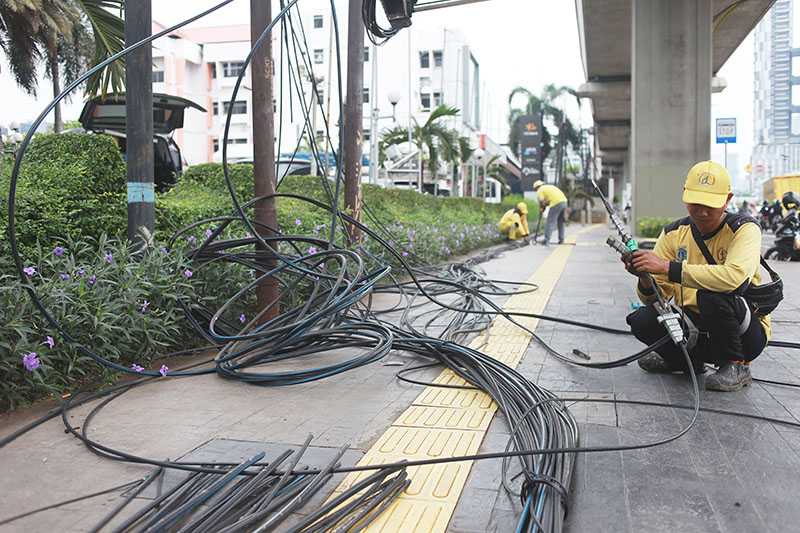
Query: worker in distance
point(514, 222)
point(551, 197)
point(707, 264)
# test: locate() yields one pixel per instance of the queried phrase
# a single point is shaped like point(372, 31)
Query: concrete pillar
point(670, 101)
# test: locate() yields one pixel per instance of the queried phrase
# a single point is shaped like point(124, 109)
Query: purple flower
point(49, 341)
point(31, 361)
point(163, 250)
point(109, 257)
point(191, 240)
point(64, 276)
point(81, 272)
point(144, 307)
point(137, 368)
point(163, 370)
point(58, 251)
point(242, 318)
point(297, 222)
point(29, 271)
point(405, 254)
point(312, 250)
point(92, 280)
point(188, 273)
point(209, 233)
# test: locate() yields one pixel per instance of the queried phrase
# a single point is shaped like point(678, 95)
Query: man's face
point(707, 218)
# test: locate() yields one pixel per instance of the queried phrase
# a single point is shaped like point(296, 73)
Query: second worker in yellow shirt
point(552, 197)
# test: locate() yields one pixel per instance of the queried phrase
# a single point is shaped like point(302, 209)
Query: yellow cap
point(707, 183)
point(522, 207)
point(537, 184)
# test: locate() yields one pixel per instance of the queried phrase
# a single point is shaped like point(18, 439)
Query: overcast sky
point(526, 43)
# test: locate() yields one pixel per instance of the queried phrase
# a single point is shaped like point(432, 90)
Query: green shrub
point(126, 310)
point(651, 226)
point(70, 185)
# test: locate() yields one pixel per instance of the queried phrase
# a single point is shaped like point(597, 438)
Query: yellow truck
point(775, 187)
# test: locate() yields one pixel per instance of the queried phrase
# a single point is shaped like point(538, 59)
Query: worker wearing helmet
point(515, 222)
point(551, 197)
point(705, 263)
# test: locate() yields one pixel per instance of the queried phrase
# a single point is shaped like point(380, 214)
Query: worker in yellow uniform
point(552, 197)
point(706, 263)
point(514, 222)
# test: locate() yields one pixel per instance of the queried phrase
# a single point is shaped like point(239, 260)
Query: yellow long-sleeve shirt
point(550, 195)
point(515, 225)
point(736, 247)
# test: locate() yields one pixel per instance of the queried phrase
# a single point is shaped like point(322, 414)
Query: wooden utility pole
point(139, 112)
point(353, 111)
point(266, 214)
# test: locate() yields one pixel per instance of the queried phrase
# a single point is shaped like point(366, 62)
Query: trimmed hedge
point(70, 185)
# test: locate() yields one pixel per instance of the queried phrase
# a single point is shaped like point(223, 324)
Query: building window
point(796, 95)
point(365, 135)
point(425, 101)
point(796, 124)
point(437, 58)
point(213, 67)
point(320, 134)
point(231, 69)
point(158, 76)
point(365, 95)
point(237, 141)
point(274, 105)
point(216, 145)
point(319, 56)
point(318, 21)
point(239, 107)
point(366, 54)
point(215, 109)
point(424, 59)
point(795, 65)
point(320, 94)
point(424, 82)
point(437, 99)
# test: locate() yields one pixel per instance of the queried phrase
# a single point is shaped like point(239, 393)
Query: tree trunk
point(264, 183)
point(353, 120)
point(52, 59)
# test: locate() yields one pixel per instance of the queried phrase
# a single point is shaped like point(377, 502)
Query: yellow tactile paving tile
point(445, 422)
point(446, 417)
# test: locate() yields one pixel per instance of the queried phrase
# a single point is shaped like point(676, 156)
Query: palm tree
point(71, 35)
point(465, 152)
point(58, 22)
point(546, 105)
point(441, 143)
point(19, 22)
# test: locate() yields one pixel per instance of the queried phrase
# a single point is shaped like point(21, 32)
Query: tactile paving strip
point(448, 422)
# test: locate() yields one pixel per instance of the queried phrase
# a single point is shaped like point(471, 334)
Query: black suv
point(107, 115)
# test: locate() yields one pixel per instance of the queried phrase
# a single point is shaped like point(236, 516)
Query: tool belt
point(762, 298)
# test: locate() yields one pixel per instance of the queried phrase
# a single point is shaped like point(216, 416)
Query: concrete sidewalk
point(727, 474)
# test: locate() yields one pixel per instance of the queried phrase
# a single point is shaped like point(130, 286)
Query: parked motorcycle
point(787, 233)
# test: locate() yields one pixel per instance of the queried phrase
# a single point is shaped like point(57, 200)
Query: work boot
point(731, 376)
point(655, 364)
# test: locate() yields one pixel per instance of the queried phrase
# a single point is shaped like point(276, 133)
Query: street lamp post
point(394, 97)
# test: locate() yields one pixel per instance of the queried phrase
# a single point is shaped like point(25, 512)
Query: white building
point(777, 92)
point(202, 63)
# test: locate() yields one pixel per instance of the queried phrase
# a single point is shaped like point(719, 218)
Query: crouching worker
point(514, 222)
point(708, 264)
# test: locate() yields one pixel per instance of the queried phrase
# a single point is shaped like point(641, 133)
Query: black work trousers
point(719, 321)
